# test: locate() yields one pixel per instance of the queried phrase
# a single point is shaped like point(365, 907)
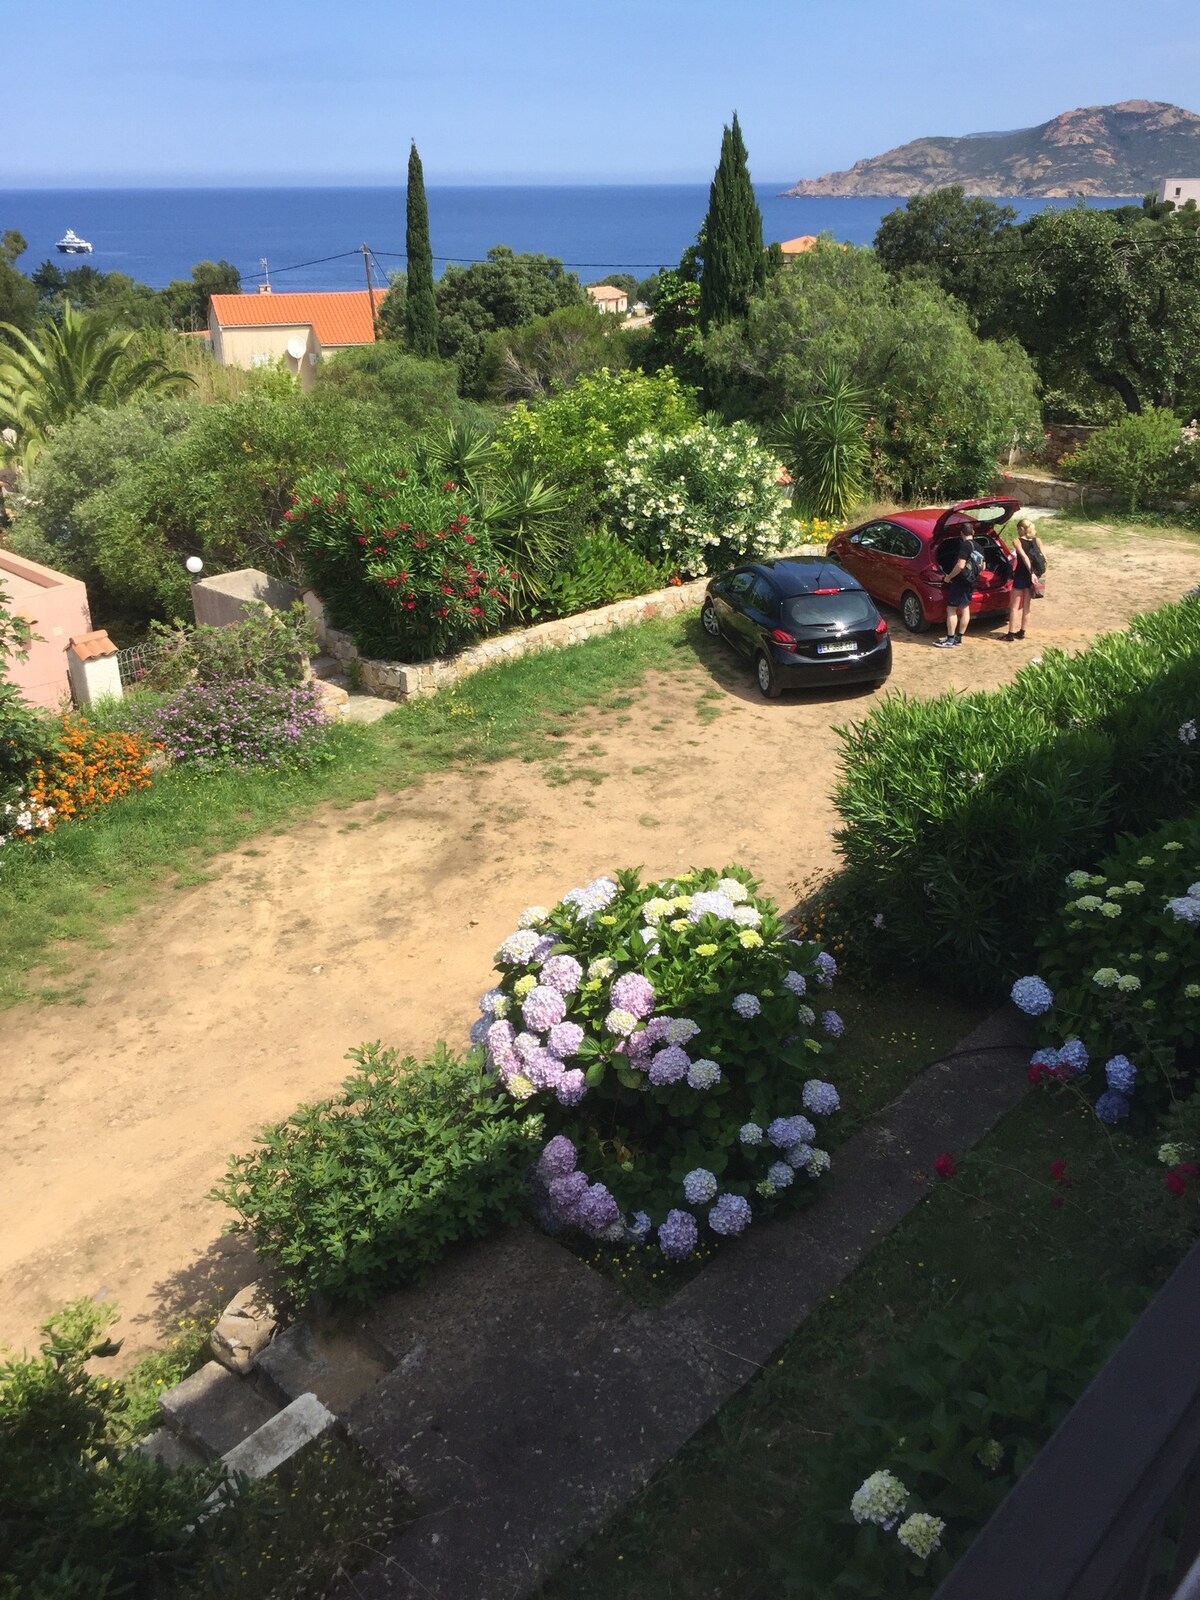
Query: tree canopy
point(504, 291)
point(731, 240)
point(420, 307)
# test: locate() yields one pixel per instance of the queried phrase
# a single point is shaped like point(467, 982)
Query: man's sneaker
point(957, 639)
point(940, 644)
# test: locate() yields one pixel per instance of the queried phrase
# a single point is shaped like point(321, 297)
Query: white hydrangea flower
point(921, 1533)
point(879, 1499)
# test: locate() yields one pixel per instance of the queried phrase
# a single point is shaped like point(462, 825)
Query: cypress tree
point(420, 308)
point(734, 264)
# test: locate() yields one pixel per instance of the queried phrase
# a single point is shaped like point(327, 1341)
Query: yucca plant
point(455, 452)
point(524, 516)
point(822, 443)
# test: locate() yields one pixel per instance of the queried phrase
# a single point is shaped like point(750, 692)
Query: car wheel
point(708, 620)
point(912, 613)
point(767, 682)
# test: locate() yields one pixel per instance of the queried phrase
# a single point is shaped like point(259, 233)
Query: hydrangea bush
point(701, 500)
point(665, 1035)
point(1121, 984)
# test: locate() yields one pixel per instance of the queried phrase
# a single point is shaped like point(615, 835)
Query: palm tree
point(823, 445)
point(46, 380)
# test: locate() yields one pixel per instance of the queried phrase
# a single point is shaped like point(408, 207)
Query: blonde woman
point(1030, 563)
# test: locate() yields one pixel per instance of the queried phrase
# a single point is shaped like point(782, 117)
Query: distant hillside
point(1125, 149)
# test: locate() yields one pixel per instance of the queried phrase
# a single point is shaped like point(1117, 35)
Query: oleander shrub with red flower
point(401, 564)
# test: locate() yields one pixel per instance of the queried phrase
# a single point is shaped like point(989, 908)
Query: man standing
point(962, 561)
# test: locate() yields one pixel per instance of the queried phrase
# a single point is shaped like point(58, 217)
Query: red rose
point(444, 612)
point(944, 1166)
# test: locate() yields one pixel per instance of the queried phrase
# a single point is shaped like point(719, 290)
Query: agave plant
point(822, 443)
point(457, 451)
point(524, 515)
point(46, 380)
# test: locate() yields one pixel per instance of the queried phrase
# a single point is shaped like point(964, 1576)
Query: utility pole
point(366, 255)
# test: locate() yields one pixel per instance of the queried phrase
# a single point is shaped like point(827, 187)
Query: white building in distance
point(1180, 190)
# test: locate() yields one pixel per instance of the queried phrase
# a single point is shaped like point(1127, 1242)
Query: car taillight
point(933, 574)
point(783, 640)
point(881, 629)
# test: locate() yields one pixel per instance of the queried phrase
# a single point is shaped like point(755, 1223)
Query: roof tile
point(337, 317)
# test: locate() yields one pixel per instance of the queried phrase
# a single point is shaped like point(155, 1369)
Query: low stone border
point(529, 1399)
point(398, 680)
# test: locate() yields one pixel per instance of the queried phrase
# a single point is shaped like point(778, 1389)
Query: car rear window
point(849, 607)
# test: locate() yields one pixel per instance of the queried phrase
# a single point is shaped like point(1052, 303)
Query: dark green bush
point(1146, 458)
point(79, 1520)
point(360, 1192)
point(601, 569)
point(962, 815)
point(264, 647)
point(956, 1413)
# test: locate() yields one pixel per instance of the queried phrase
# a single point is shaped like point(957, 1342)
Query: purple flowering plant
point(623, 1022)
point(240, 725)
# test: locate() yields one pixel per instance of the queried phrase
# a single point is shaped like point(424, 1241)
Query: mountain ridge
point(1121, 149)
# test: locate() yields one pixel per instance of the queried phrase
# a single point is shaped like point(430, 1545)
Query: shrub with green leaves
point(1122, 960)
point(361, 1192)
point(1147, 458)
point(266, 646)
point(401, 563)
point(660, 1032)
point(701, 500)
point(962, 814)
point(600, 569)
point(953, 1417)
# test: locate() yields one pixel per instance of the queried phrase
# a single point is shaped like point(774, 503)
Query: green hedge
point(962, 815)
point(360, 1192)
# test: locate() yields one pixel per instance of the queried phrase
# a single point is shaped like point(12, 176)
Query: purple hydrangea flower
point(527, 1046)
point(657, 1029)
point(787, 1131)
point(780, 1174)
point(640, 1226)
point(500, 1038)
point(703, 1074)
point(638, 1047)
point(542, 949)
point(796, 982)
point(1112, 1106)
point(634, 994)
point(543, 1007)
point(820, 1098)
point(669, 1065)
point(562, 973)
point(833, 1024)
point(557, 1159)
point(699, 1185)
point(677, 1235)
point(826, 969)
point(489, 1001)
point(544, 1071)
point(730, 1215)
point(747, 1005)
point(565, 1039)
point(567, 1192)
point(1120, 1074)
point(598, 1210)
point(1074, 1055)
point(571, 1087)
point(1033, 996)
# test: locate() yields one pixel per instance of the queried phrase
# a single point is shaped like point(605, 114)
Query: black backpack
point(973, 564)
point(1037, 559)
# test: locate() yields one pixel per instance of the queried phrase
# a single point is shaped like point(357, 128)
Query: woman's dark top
point(1022, 577)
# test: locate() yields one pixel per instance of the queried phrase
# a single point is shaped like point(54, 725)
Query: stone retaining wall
point(398, 680)
point(1032, 490)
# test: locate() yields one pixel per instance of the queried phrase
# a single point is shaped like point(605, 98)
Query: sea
point(312, 238)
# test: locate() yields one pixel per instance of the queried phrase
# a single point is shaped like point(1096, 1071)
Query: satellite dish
point(296, 346)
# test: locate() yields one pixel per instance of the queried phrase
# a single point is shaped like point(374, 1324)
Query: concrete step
point(331, 1362)
point(330, 670)
point(214, 1409)
point(171, 1450)
point(282, 1438)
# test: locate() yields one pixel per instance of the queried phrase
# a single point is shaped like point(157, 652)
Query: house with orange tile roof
point(800, 246)
point(293, 330)
point(607, 297)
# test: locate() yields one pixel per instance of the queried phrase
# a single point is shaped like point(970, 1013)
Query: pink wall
point(56, 607)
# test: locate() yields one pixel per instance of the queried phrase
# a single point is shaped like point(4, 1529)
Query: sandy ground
point(221, 1006)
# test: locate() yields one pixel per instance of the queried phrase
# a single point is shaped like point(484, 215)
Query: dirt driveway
point(221, 1006)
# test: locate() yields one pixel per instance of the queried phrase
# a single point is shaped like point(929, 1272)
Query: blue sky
point(316, 91)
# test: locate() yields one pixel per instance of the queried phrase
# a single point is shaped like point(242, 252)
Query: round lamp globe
point(194, 564)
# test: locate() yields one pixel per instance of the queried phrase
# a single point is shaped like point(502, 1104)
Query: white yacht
point(72, 245)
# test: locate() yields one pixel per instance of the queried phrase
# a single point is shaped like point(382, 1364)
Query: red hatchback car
point(896, 558)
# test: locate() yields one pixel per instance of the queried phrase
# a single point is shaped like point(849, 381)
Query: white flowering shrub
point(701, 500)
point(664, 1034)
point(22, 817)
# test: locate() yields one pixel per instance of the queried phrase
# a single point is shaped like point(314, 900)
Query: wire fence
point(136, 661)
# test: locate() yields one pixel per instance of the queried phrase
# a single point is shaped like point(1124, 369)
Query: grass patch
point(727, 1515)
point(1096, 527)
point(56, 887)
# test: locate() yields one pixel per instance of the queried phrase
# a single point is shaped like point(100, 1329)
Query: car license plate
point(844, 647)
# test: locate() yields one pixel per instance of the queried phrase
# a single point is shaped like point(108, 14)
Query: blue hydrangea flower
point(677, 1235)
point(821, 1098)
point(833, 1024)
point(557, 1159)
point(796, 982)
point(1074, 1055)
point(780, 1174)
point(1120, 1074)
point(681, 1029)
point(750, 1133)
point(710, 903)
point(826, 969)
point(592, 899)
point(703, 1074)
point(1033, 996)
point(492, 999)
point(1185, 908)
point(787, 1131)
point(479, 1030)
point(730, 1215)
point(669, 1065)
point(798, 1155)
point(747, 1005)
point(1045, 1057)
point(699, 1186)
point(1112, 1106)
point(639, 1227)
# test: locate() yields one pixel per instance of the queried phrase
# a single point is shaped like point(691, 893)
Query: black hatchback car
point(803, 621)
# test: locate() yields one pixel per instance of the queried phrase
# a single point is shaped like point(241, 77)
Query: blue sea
point(155, 235)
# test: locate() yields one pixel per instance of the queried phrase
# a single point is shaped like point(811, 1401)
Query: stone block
point(166, 1447)
point(281, 1438)
point(328, 1358)
point(247, 1324)
point(230, 596)
point(340, 644)
point(214, 1409)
